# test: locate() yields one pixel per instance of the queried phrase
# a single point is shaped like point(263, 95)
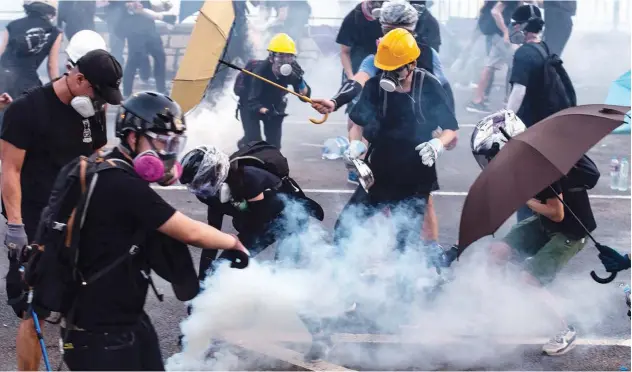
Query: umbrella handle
point(603, 280)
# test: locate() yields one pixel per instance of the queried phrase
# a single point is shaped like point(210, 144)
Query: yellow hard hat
point(396, 49)
point(282, 43)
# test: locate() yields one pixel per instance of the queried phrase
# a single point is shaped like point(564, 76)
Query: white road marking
point(340, 122)
point(351, 191)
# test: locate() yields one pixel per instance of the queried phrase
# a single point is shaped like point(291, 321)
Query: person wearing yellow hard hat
point(397, 112)
point(260, 101)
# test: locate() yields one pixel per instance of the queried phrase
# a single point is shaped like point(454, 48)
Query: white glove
point(355, 150)
point(430, 151)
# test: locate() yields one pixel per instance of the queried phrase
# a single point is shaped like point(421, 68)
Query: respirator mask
point(282, 64)
point(517, 34)
point(160, 164)
point(390, 80)
point(84, 105)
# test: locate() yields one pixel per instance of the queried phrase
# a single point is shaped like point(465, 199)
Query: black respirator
point(517, 33)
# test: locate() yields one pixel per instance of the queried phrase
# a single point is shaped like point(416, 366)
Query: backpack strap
point(541, 48)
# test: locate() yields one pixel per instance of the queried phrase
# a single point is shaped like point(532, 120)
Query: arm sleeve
point(144, 204)
point(437, 67)
point(346, 32)
point(516, 97)
point(368, 65)
point(18, 125)
point(437, 105)
point(214, 214)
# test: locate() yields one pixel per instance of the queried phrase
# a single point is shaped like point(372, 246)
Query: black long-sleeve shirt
point(266, 95)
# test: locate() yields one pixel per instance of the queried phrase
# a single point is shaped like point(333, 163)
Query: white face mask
point(285, 69)
point(83, 105)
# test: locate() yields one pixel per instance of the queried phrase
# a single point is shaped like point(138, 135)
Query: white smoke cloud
point(481, 305)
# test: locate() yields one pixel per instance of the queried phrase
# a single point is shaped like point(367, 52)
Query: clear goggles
point(283, 58)
point(169, 143)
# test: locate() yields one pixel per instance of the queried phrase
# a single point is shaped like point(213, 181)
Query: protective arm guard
point(349, 90)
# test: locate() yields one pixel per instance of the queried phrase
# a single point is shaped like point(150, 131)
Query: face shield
point(211, 172)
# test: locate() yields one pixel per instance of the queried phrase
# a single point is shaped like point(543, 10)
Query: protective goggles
point(169, 143)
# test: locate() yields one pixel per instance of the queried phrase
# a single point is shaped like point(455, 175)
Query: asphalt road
point(602, 332)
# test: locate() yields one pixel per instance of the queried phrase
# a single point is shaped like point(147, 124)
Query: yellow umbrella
point(204, 49)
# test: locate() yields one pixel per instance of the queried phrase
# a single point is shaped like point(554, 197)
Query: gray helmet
point(487, 139)
point(398, 13)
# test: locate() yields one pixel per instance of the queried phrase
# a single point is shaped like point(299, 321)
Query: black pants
point(559, 26)
point(272, 127)
point(136, 349)
point(139, 46)
point(363, 206)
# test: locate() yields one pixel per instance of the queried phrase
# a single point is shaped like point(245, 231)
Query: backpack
point(265, 156)
point(583, 176)
point(557, 91)
point(244, 81)
point(486, 22)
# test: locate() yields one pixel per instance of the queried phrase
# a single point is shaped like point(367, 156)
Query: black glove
point(297, 71)
point(275, 114)
point(612, 260)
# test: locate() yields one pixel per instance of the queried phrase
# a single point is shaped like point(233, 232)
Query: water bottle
point(624, 179)
point(614, 173)
point(334, 148)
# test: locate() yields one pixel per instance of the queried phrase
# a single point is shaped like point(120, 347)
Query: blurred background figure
point(558, 16)
point(292, 17)
point(25, 44)
point(75, 16)
point(428, 30)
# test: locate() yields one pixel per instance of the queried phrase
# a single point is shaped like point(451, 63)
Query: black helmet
point(149, 111)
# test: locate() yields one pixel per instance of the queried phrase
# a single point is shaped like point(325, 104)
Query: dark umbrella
point(530, 162)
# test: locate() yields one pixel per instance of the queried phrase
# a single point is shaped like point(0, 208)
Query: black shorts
point(435, 186)
point(134, 349)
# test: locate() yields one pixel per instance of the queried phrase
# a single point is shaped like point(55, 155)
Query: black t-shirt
point(486, 21)
point(266, 95)
point(53, 134)
point(360, 34)
point(428, 30)
point(528, 70)
point(578, 202)
point(394, 161)
point(121, 204)
point(77, 15)
point(30, 40)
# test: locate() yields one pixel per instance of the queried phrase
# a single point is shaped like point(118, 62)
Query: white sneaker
point(562, 343)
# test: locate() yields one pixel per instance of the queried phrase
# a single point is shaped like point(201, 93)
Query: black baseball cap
point(104, 73)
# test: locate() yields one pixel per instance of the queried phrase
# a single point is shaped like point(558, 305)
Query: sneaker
point(480, 108)
point(562, 343)
point(352, 177)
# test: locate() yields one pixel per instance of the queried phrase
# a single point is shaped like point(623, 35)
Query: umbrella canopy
point(205, 48)
point(529, 163)
point(619, 94)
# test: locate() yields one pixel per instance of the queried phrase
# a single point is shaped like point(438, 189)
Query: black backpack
point(51, 261)
point(244, 81)
point(557, 92)
point(583, 176)
point(263, 155)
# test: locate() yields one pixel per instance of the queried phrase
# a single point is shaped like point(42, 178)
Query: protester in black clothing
point(143, 39)
point(266, 102)
point(75, 16)
point(25, 44)
point(43, 131)
point(255, 198)
point(292, 17)
point(559, 23)
point(399, 134)
point(109, 329)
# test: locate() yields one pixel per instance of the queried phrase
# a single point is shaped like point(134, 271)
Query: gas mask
point(390, 80)
point(517, 34)
point(160, 166)
point(282, 64)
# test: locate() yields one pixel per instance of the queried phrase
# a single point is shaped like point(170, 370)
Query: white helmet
point(82, 43)
point(487, 138)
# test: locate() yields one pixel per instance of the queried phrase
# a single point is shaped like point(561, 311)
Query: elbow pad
point(349, 90)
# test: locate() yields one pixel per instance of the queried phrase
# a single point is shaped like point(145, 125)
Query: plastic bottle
point(624, 179)
point(614, 173)
point(335, 147)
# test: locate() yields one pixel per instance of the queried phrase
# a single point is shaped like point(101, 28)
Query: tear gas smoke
point(481, 305)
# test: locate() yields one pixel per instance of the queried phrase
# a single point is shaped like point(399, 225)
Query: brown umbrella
point(530, 162)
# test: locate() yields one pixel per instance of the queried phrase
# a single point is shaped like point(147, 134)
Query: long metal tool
point(302, 97)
